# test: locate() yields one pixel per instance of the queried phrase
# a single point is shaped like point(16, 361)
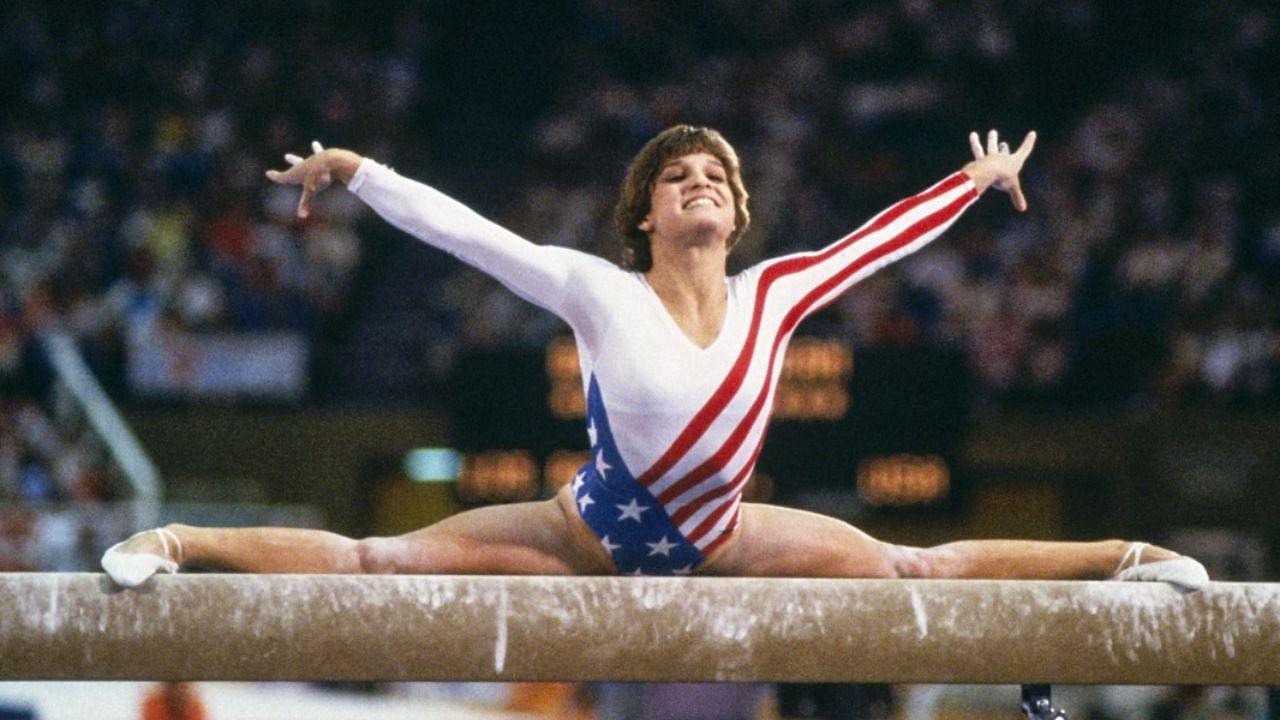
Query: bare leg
point(781, 542)
point(540, 538)
point(522, 538)
point(1020, 559)
point(268, 549)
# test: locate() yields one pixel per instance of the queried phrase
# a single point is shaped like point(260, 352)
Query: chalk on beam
point(393, 628)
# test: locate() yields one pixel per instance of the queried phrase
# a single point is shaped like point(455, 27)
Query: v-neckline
point(671, 323)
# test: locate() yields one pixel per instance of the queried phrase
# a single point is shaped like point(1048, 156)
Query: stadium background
point(1106, 365)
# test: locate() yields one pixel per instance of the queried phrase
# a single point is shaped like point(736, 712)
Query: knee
point(883, 571)
point(377, 556)
point(880, 564)
point(922, 563)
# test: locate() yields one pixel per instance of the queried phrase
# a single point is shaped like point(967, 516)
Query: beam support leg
point(1037, 703)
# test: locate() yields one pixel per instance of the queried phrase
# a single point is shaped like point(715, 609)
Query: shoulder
point(585, 260)
point(583, 267)
point(594, 277)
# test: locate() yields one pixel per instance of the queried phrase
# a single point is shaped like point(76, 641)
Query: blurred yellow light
point(899, 480)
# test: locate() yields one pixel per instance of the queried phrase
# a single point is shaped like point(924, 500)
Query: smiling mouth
point(700, 202)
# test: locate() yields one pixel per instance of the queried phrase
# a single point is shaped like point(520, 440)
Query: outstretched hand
point(315, 173)
point(995, 166)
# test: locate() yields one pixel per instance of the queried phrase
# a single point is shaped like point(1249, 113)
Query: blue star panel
point(627, 519)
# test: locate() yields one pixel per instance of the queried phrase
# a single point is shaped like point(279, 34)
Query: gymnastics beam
point(330, 627)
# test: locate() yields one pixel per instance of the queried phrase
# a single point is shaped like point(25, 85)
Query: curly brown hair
point(637, 187)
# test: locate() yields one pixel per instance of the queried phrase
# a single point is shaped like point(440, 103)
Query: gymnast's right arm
point(540, 274)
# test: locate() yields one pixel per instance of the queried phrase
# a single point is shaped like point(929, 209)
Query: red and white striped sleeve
point(812, 280)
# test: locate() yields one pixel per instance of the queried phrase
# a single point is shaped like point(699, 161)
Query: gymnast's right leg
point(534, 538)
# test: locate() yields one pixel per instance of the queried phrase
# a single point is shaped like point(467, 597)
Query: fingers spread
point(291, 176)
point(1027, 144)
point(976, 146)
point(304, 202)
point(1019, 200)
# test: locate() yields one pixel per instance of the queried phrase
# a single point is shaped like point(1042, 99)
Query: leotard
point(675, 428)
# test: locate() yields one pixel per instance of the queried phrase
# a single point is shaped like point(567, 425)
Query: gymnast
point(680, 362)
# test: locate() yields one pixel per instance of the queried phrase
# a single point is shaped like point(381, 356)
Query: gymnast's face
point(691, 201)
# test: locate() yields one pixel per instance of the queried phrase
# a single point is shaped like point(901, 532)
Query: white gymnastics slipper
point(130, 569)
point(1184, 573)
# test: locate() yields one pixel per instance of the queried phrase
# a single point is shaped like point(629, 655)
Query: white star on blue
point(632, 511)
point(663, 547)
point(602, 467)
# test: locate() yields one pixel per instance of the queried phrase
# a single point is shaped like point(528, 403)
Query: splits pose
point(680, 363)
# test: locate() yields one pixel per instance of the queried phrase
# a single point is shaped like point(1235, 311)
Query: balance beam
point(77, 626)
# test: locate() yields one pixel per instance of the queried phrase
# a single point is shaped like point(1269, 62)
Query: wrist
point(978, 173)
point(343, 165)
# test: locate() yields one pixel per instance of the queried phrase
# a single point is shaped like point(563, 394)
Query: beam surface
point(64, 626)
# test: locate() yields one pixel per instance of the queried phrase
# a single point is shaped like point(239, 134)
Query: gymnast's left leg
point(783, 542)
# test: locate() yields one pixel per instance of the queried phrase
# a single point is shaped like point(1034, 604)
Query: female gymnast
point(680, 363)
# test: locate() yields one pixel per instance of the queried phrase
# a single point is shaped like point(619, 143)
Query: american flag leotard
point(675, 428)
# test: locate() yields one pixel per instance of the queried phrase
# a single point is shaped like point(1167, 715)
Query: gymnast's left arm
point(818, 277)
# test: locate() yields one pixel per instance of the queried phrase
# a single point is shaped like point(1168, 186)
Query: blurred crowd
point(132, 200)
point(134, 142)
point(1146, 271)
point(135, 136)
